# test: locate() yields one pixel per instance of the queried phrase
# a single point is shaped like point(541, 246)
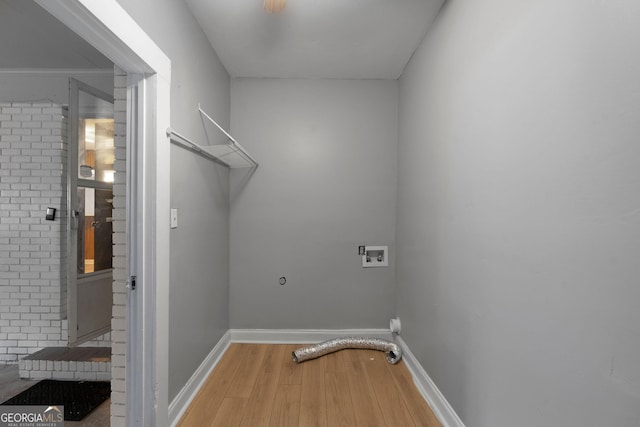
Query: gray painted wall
point(519, 211)
point(51, 85)
point(199, 294)
point(326, 183)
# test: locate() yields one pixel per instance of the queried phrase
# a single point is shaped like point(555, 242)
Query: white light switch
point(174, 218)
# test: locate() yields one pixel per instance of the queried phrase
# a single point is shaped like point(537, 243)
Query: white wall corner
point(181, 402)
point(436, 400)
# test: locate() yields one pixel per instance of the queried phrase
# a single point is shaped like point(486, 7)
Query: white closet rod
point(175, 136)
point(240, 148)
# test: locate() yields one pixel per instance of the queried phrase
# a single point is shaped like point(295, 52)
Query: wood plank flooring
point(260, 385)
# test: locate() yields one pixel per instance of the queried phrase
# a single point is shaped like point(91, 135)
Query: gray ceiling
point(353, 39)
point(32, 38)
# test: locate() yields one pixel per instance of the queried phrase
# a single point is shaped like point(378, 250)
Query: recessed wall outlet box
point(375, 256)
point(51, 214)
point(174, 218)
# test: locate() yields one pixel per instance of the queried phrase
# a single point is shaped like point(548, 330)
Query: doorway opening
point(90, 202)
point(140, 325)
point(35, 145)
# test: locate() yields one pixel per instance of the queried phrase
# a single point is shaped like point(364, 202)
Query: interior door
point(91, 177)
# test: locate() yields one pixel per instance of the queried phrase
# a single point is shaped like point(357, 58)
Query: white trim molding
point(111, 30)
point(439, 405)
point(302, 336)
point(181, 402)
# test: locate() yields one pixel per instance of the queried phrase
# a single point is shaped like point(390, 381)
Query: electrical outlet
point(375, 256)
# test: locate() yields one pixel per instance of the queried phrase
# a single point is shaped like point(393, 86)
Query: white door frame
point(110, 29)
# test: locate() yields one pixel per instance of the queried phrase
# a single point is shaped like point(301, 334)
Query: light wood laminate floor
point(259, 385)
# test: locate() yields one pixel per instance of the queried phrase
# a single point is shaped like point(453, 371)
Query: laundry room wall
point(325, 185)
point(519, 211)
point(199, 289)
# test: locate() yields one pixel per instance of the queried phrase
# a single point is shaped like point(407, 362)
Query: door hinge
point(132, 283)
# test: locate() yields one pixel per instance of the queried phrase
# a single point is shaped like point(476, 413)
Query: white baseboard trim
point(439, 405)
point(182, 401)
point(302, 336)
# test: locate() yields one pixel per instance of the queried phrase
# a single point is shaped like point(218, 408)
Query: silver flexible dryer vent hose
point(393, 350)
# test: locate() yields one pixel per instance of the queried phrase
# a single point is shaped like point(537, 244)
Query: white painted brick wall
point(33, 297)
point(65, 370)
point(32, 177)
point(119, 311)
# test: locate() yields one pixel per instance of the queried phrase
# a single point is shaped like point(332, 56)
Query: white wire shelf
point(231, 154)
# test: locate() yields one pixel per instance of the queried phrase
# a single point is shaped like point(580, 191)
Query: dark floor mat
point(78, 397)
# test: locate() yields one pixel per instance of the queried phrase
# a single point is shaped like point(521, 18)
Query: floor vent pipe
point(393, 350)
